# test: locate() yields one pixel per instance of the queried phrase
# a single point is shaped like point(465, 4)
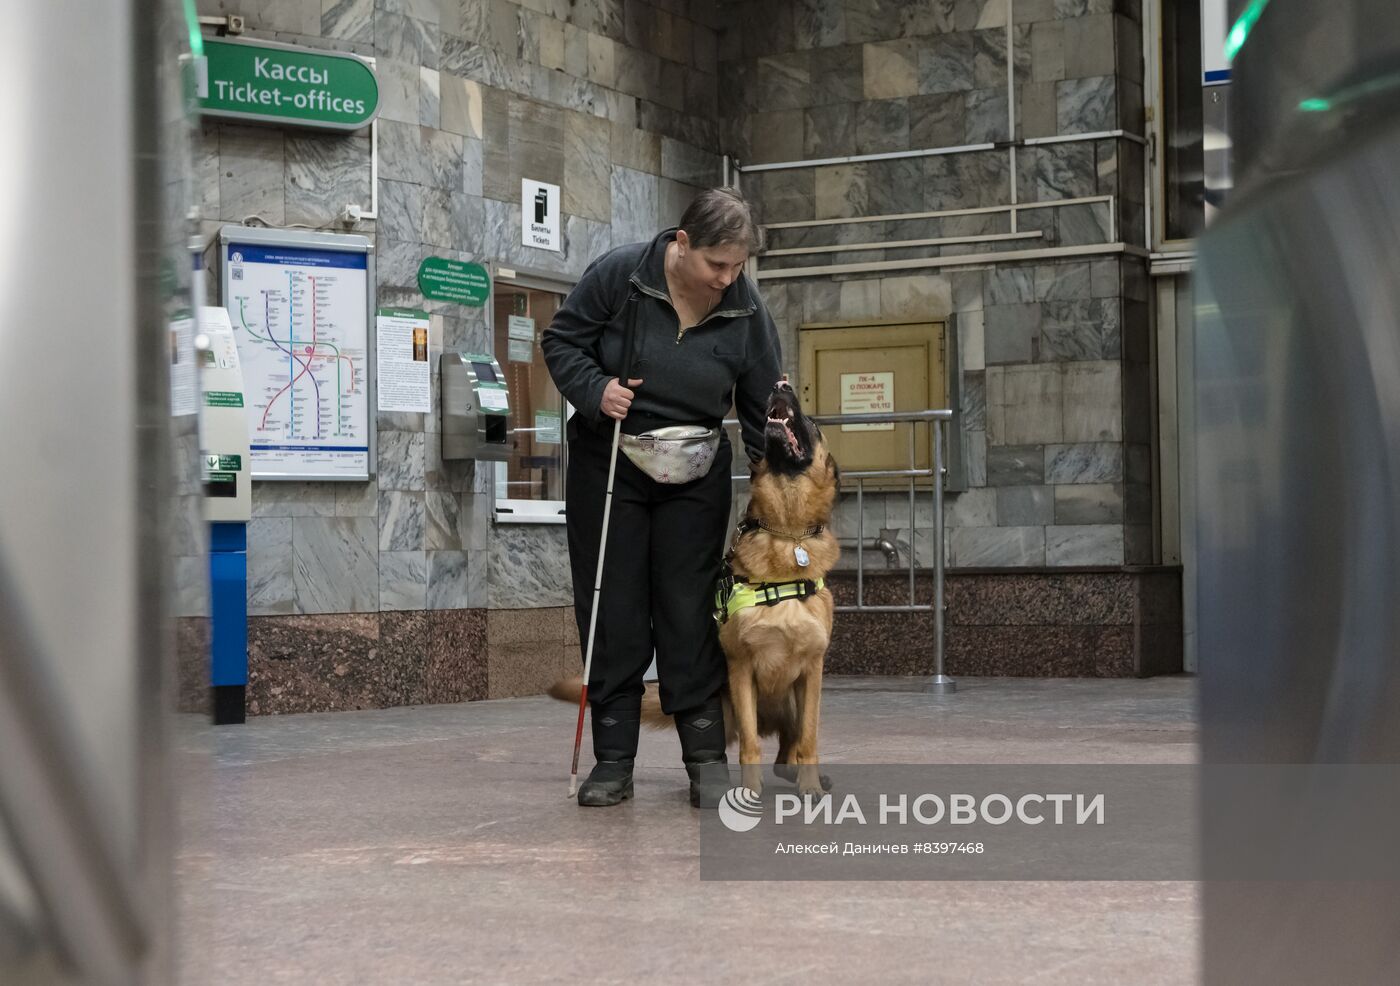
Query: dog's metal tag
point(801, 553)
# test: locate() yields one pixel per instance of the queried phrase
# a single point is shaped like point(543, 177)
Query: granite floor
point(436, 845)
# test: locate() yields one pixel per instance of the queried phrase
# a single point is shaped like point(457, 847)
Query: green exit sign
point(266, 82)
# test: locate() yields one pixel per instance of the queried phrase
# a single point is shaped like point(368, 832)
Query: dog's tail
point(569, 689)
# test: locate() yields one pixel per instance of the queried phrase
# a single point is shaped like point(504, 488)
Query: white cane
point(593, 616)
point(628, 343)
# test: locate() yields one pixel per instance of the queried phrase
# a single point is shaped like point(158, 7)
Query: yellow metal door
point(864, 368)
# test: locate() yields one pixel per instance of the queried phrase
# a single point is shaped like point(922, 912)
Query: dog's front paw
point(810, 782)
point(789, 772)
point(752, 777)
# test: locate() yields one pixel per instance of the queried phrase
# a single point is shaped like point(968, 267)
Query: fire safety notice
point(867, 393)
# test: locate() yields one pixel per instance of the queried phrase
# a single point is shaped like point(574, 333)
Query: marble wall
point(1053, 354)
point(615, 102)
point(823, 78)
point(348, 661)
point(1032, 622)
point(1055, 416)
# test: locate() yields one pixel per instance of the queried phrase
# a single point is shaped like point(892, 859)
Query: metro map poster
point(301, 320)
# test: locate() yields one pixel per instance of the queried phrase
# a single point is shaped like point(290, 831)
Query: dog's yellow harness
point(732, 595)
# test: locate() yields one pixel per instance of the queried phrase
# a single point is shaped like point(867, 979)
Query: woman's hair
point(720, 217)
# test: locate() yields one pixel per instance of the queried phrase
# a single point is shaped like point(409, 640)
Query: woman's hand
point(617, 398)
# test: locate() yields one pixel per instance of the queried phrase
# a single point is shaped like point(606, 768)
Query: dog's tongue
point(792, 439)
point(786, 424)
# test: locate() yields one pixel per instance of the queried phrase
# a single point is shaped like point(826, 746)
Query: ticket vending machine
point(475, 407)
point(228, 505)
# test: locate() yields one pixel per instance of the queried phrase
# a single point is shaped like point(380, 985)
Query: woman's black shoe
point(709, 783)
point(608, 783)
point(701, 732)
point(615, 746)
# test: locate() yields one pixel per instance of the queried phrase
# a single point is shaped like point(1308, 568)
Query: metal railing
point(939, 680)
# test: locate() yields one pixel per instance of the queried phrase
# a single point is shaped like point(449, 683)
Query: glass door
point(530, 483)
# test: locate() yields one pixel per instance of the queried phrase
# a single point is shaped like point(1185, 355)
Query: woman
point(702, 340)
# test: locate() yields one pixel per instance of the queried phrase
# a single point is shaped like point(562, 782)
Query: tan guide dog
point(775, 649)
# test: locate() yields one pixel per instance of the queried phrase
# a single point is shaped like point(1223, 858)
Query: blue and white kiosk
point(228, 506)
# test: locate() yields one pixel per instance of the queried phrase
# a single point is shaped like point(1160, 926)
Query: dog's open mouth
point(781, 415)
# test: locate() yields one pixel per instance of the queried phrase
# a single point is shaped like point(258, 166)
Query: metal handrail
point(939, 680)
point(941, 414)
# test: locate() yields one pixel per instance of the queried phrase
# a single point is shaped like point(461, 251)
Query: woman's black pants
point(663, 556)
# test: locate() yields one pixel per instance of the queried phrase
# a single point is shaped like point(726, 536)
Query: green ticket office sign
point(267, 82)
point(454, 280)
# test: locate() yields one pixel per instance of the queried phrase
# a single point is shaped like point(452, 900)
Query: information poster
point(301, 319)
point(867, 393)
point(520, 339)
point(184, 386)
point(401, 360)
point(548, 427)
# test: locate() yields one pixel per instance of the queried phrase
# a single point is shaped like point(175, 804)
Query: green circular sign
point(454, 280)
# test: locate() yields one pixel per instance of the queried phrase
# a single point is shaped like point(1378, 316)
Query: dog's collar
point(750, 524)
point(734, 595)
